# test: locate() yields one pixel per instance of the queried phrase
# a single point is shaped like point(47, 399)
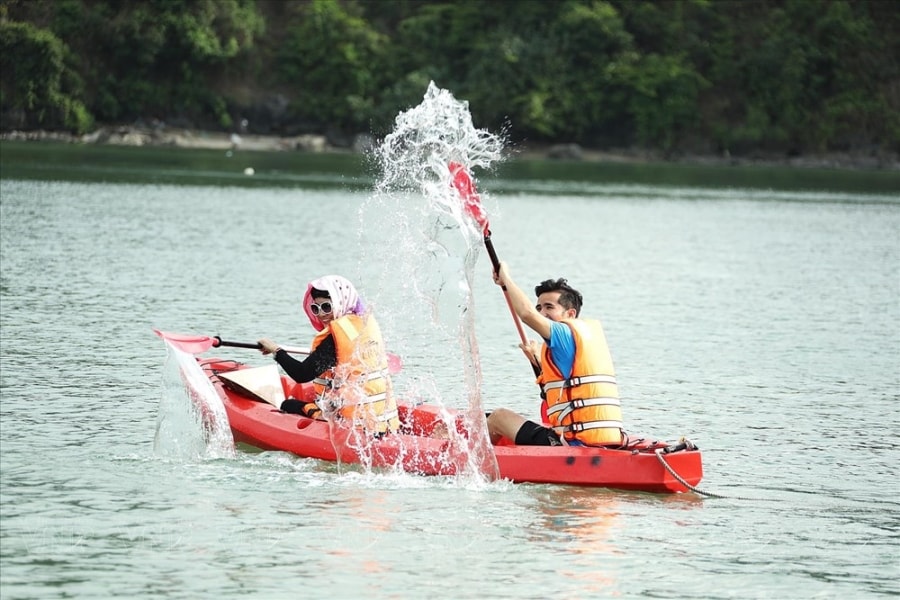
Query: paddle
point(463, 183)
point(197, 344)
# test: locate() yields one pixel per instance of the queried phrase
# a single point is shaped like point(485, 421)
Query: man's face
point(549, 306)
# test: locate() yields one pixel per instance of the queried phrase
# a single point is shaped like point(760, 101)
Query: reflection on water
point(582, 518)
point(587, 527)
point(357, 522)
point(586, 518)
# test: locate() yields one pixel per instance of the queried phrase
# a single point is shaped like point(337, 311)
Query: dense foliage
point(709, 76)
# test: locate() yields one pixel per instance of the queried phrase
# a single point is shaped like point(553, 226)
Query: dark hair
point(569, 297)
point(314, 293)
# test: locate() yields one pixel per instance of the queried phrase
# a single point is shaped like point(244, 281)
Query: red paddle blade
point(463, 183)
point(192, 344)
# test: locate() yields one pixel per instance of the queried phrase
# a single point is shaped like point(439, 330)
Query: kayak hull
point(425, 448)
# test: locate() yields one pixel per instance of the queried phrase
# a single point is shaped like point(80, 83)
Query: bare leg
point(504, 422)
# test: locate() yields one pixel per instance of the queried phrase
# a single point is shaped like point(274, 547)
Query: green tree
point(593, 58)
point(35, 83)
point(799, 76)
point(663, 93)
point(141, 58)
point(744, 76)
point(330, 60)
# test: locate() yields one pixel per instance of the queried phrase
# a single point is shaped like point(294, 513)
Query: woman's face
point(325, 309)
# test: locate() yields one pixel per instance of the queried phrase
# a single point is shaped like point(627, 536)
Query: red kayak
point(424, 447)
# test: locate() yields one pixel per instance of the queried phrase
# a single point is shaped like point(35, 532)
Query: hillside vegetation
point(743, 77)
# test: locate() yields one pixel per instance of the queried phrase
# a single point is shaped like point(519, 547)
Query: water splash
point(192, 422)
point(415, 156)
point(429, 267)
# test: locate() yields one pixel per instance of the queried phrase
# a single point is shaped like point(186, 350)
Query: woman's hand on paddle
point(267, 346)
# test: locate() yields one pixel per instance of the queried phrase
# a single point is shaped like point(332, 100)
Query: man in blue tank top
point(556, 300)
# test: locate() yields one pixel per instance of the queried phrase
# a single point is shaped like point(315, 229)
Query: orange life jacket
point(584, 407)
point(358, 387)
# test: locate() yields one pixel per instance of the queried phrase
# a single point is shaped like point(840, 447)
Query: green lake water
point(755, 311)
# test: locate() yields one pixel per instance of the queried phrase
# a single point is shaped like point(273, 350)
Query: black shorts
point(532, 434)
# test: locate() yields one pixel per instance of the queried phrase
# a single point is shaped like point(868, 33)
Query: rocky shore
point(179, 138)
point(190, 138)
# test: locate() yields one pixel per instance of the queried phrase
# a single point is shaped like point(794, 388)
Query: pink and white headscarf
point(344, 298)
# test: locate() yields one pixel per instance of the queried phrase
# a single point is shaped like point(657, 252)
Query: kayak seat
point(304, 392)
point(426, 420)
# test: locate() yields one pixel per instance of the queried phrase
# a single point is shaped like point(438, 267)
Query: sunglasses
point(324, 308)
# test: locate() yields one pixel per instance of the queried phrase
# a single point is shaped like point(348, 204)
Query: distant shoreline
point(210, 140)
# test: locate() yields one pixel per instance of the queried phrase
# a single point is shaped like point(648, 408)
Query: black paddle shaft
point(492, 253)
point(495, 261)
point(221, 342)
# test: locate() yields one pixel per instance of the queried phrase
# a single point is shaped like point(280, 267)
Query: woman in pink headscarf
point(348, 363)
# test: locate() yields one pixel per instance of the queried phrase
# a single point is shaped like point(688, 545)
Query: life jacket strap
point(333, 384)
point(389, 415)
point(566, 408)
point(576, 381)
point(577, 427)
point(373, 399)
